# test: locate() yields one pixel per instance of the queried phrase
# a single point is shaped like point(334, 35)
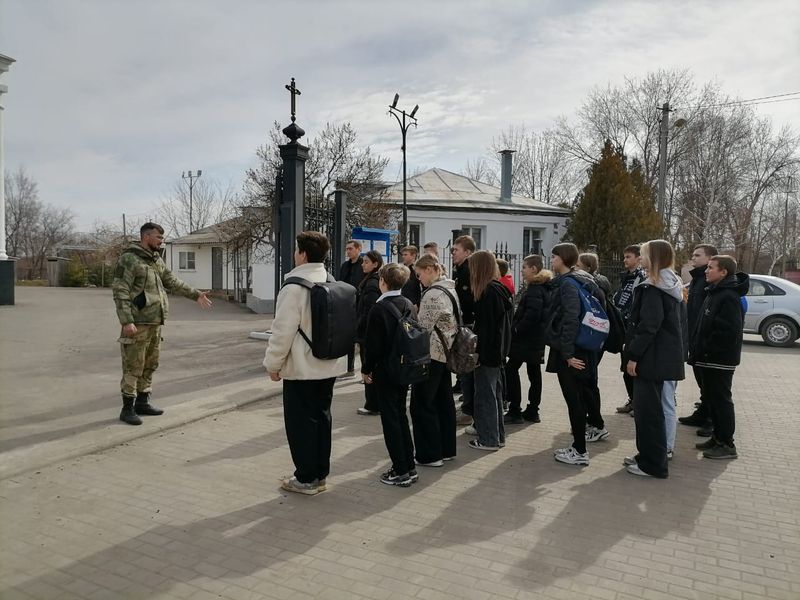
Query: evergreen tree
point(616, 206)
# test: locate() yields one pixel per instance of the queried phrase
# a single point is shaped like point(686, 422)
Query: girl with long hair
point(433, 412)
point(368, 294)
point(493, 311)
point(654, 353)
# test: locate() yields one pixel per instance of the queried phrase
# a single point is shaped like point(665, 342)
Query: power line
point(753, 101)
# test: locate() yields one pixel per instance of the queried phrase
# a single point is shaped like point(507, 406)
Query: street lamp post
point(405, 120)
point(192, 177)
point(789, 180)
point(663, 133)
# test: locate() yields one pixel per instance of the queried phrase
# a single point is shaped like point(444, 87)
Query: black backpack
point(409, 356)
point(333, 317)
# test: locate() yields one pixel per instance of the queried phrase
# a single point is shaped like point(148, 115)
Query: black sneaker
point(625, 408)
point(705, 431)
point(694, 420)
point(531, 417)
point(707, 445)
point(513, 419)
point(721, 451)
point(413, 476)
point(392, 478)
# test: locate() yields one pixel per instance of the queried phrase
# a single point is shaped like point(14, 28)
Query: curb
point(23, 461)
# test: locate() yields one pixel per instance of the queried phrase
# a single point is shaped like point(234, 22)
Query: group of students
point(660, 334)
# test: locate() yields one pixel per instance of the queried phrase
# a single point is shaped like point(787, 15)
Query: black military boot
point(143, 406)
point(128, 414)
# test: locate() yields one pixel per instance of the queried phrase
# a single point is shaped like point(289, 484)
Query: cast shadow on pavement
point(215, 552)
point(599, 516)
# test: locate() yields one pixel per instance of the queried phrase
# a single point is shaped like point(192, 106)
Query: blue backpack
point(594, 324)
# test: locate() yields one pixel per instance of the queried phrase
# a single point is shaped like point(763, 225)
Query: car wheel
point(779, 332)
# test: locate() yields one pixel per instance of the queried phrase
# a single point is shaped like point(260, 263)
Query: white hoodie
point(287, 351)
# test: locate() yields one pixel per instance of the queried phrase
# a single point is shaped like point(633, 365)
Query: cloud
point(110, 101)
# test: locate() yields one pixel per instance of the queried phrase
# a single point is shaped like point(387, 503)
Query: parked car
point(773, 310)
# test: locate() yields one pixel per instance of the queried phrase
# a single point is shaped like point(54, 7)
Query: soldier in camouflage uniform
point(141, 281)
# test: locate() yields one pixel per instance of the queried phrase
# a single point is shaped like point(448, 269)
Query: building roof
point(438, 189)
point(219, 233)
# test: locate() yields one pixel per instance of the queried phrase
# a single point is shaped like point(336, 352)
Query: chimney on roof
point(506, 163)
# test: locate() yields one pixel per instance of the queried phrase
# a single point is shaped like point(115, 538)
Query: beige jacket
point(287, 352)
point(436, 309)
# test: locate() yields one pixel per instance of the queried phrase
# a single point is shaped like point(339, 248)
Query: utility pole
point(786, 225)
point(662, 159)
point(191, 177)
point(397, 113)
point(124, 229)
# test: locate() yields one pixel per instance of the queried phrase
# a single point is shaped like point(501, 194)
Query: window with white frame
point(186, 261)
point(476, 233)
point(531, 241)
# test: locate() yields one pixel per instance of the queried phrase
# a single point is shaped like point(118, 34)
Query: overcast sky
point(110, 100)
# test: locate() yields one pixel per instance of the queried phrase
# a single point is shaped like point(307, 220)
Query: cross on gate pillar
point(292, 204)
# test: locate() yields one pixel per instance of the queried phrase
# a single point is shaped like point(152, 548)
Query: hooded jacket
point(436, 310)
point(655, 336)
point(530, 318)
point(141, 281)
point(565, 315)
point(716, 342)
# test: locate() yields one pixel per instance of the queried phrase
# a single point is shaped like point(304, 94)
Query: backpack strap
point(309, 286)
point(456, 312)
point(394, 310)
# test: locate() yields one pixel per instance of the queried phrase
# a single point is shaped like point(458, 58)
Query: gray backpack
point(462, 356)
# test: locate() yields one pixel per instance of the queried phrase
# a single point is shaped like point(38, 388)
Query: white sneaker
point(573, 457)
point(635, 470)
point(593, 434)
point(470, 430)
point(562, 450)
point(629, 460)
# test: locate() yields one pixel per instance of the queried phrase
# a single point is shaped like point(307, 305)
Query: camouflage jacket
point(140, 283)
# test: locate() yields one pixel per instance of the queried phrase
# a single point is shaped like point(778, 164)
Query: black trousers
point(576, 388)
point(702, 410)
point(394, 421)
point(628, 380)
point(716, 392)
point(433, 415)
point(593, 414)
point(514, 387)
point(651, 437)
point(351, 359)
point(371, 402)
point(307, 417)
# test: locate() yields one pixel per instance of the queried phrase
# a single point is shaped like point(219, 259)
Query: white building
point(440, 203)
point(207, 260)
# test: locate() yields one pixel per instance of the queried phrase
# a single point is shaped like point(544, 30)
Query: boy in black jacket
point(381, 325)
point(697, 294)
point(716, 348)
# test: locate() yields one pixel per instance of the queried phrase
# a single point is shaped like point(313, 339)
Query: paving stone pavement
point(196, 512)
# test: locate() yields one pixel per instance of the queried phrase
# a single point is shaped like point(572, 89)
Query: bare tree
point(23, 210)
point(211, 203)
point(336, 161)
point(541, 169)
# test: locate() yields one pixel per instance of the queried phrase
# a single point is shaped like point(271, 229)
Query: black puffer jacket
point(493, 314)
point(352, 273)
point(717, 339)
point(368, 293)
point(565, 312)
point(697, 295)
point(655, 336)
point(530, 319)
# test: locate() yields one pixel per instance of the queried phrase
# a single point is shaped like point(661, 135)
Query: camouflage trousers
point(140, 359)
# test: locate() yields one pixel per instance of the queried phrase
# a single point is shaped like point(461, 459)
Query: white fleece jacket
point(287, 351)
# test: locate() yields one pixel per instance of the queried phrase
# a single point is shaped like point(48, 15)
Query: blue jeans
point(488, 406)
point(670, 411)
